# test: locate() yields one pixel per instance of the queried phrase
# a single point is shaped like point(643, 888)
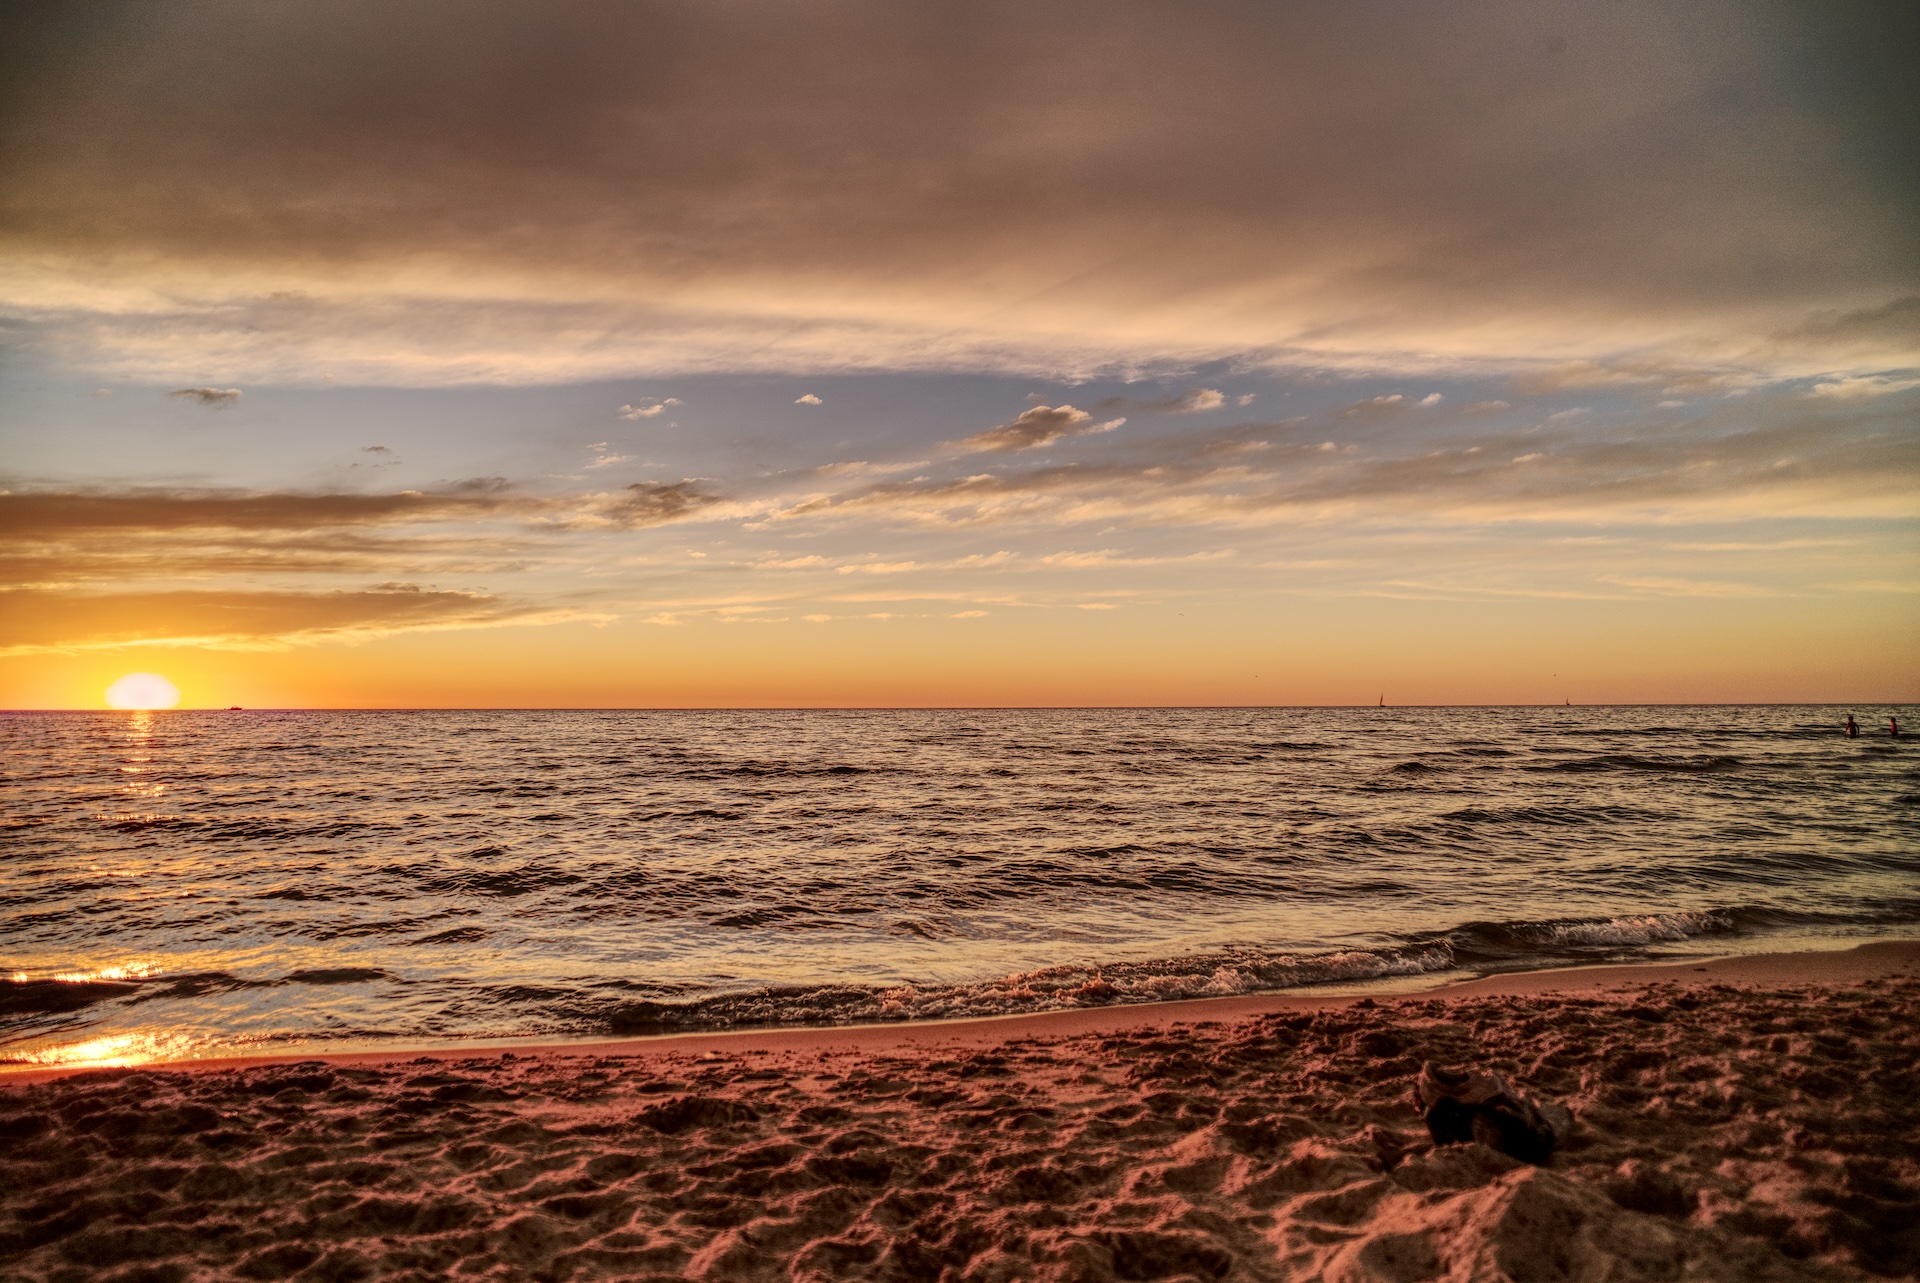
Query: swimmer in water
point(1893, 727)
point(1853, 732)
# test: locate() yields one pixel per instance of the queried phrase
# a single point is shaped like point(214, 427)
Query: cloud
point(1669, 586)
point(652, 503)
point(972, 561)
point(176, 567)
point(219, 398)
point(1038, 426)
point(1743, 457)
point(155, 539)
point(53, 514)
point(155, 536)
point(1390, 403)
point(878, 568)
point(1854, 389)
point(846, 186)
point(862, 468)
point(1375, 405)
point(1111, 558)
point(1192, 401)
point(1672, 377)
point(40, 620)
point(808, 399)
point(1197, 401)
point(650, 408)
point(1868, 328)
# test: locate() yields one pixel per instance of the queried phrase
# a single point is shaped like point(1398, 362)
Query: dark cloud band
point(853, 185)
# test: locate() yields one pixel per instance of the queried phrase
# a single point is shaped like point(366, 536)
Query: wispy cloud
point(219, 398)
point(1854, 389)
point(1390, 403)
point(107, 567)
point(862, 468)
point(1669, 586)
point(644, 503)
point(1192, 401)
point(39, 620)
point(649, 408)
point(1112, 558)
point(1040, 425)
point(1825, 462)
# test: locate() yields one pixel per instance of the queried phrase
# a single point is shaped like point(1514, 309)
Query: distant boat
point(235, 708)
point(1383, 700)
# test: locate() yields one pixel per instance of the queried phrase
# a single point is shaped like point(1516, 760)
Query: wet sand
point(1750, 1118)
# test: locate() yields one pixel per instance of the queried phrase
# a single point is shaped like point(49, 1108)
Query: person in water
point(1853, 732)
point(1893, 727)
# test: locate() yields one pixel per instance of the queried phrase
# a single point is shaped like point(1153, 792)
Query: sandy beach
point(1748, 1118)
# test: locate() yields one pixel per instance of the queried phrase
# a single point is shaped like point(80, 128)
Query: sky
point(489, 354)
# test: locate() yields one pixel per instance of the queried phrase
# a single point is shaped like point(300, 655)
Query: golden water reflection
point(112, 1051)
point(124, 971)
point(142, 791)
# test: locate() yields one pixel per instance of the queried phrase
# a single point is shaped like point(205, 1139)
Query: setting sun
point(142, 690)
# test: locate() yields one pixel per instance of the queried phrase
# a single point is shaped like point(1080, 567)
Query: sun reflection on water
point(121, 971)
point(139, 1047)
point(143, 790)
point(111, 1051)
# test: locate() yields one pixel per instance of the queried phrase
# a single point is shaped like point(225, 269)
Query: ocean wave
point(1495, 943)
point(1479, 947)
point(1475, 946)
point(609, 1005)
point(1058, 988)
point(1687, 764)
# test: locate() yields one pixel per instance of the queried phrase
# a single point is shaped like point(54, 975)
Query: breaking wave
point(1477, 947)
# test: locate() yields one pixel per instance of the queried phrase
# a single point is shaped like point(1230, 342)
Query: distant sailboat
point(1383, 699)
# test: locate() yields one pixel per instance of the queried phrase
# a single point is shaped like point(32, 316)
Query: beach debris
point(1462, 1105)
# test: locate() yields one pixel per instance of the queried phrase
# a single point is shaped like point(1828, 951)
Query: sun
point(143, 690)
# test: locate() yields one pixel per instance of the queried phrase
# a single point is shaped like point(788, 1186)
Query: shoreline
point(1868, 961)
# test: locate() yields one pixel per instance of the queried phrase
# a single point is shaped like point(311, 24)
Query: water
point(200, 883)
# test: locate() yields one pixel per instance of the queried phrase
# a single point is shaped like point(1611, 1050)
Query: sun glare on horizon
point(142, 691)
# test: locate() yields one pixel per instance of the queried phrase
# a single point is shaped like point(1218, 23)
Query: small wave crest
point(1220, 975)
point(1504, 943)
point(1482, 947)
point(1682, 764)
